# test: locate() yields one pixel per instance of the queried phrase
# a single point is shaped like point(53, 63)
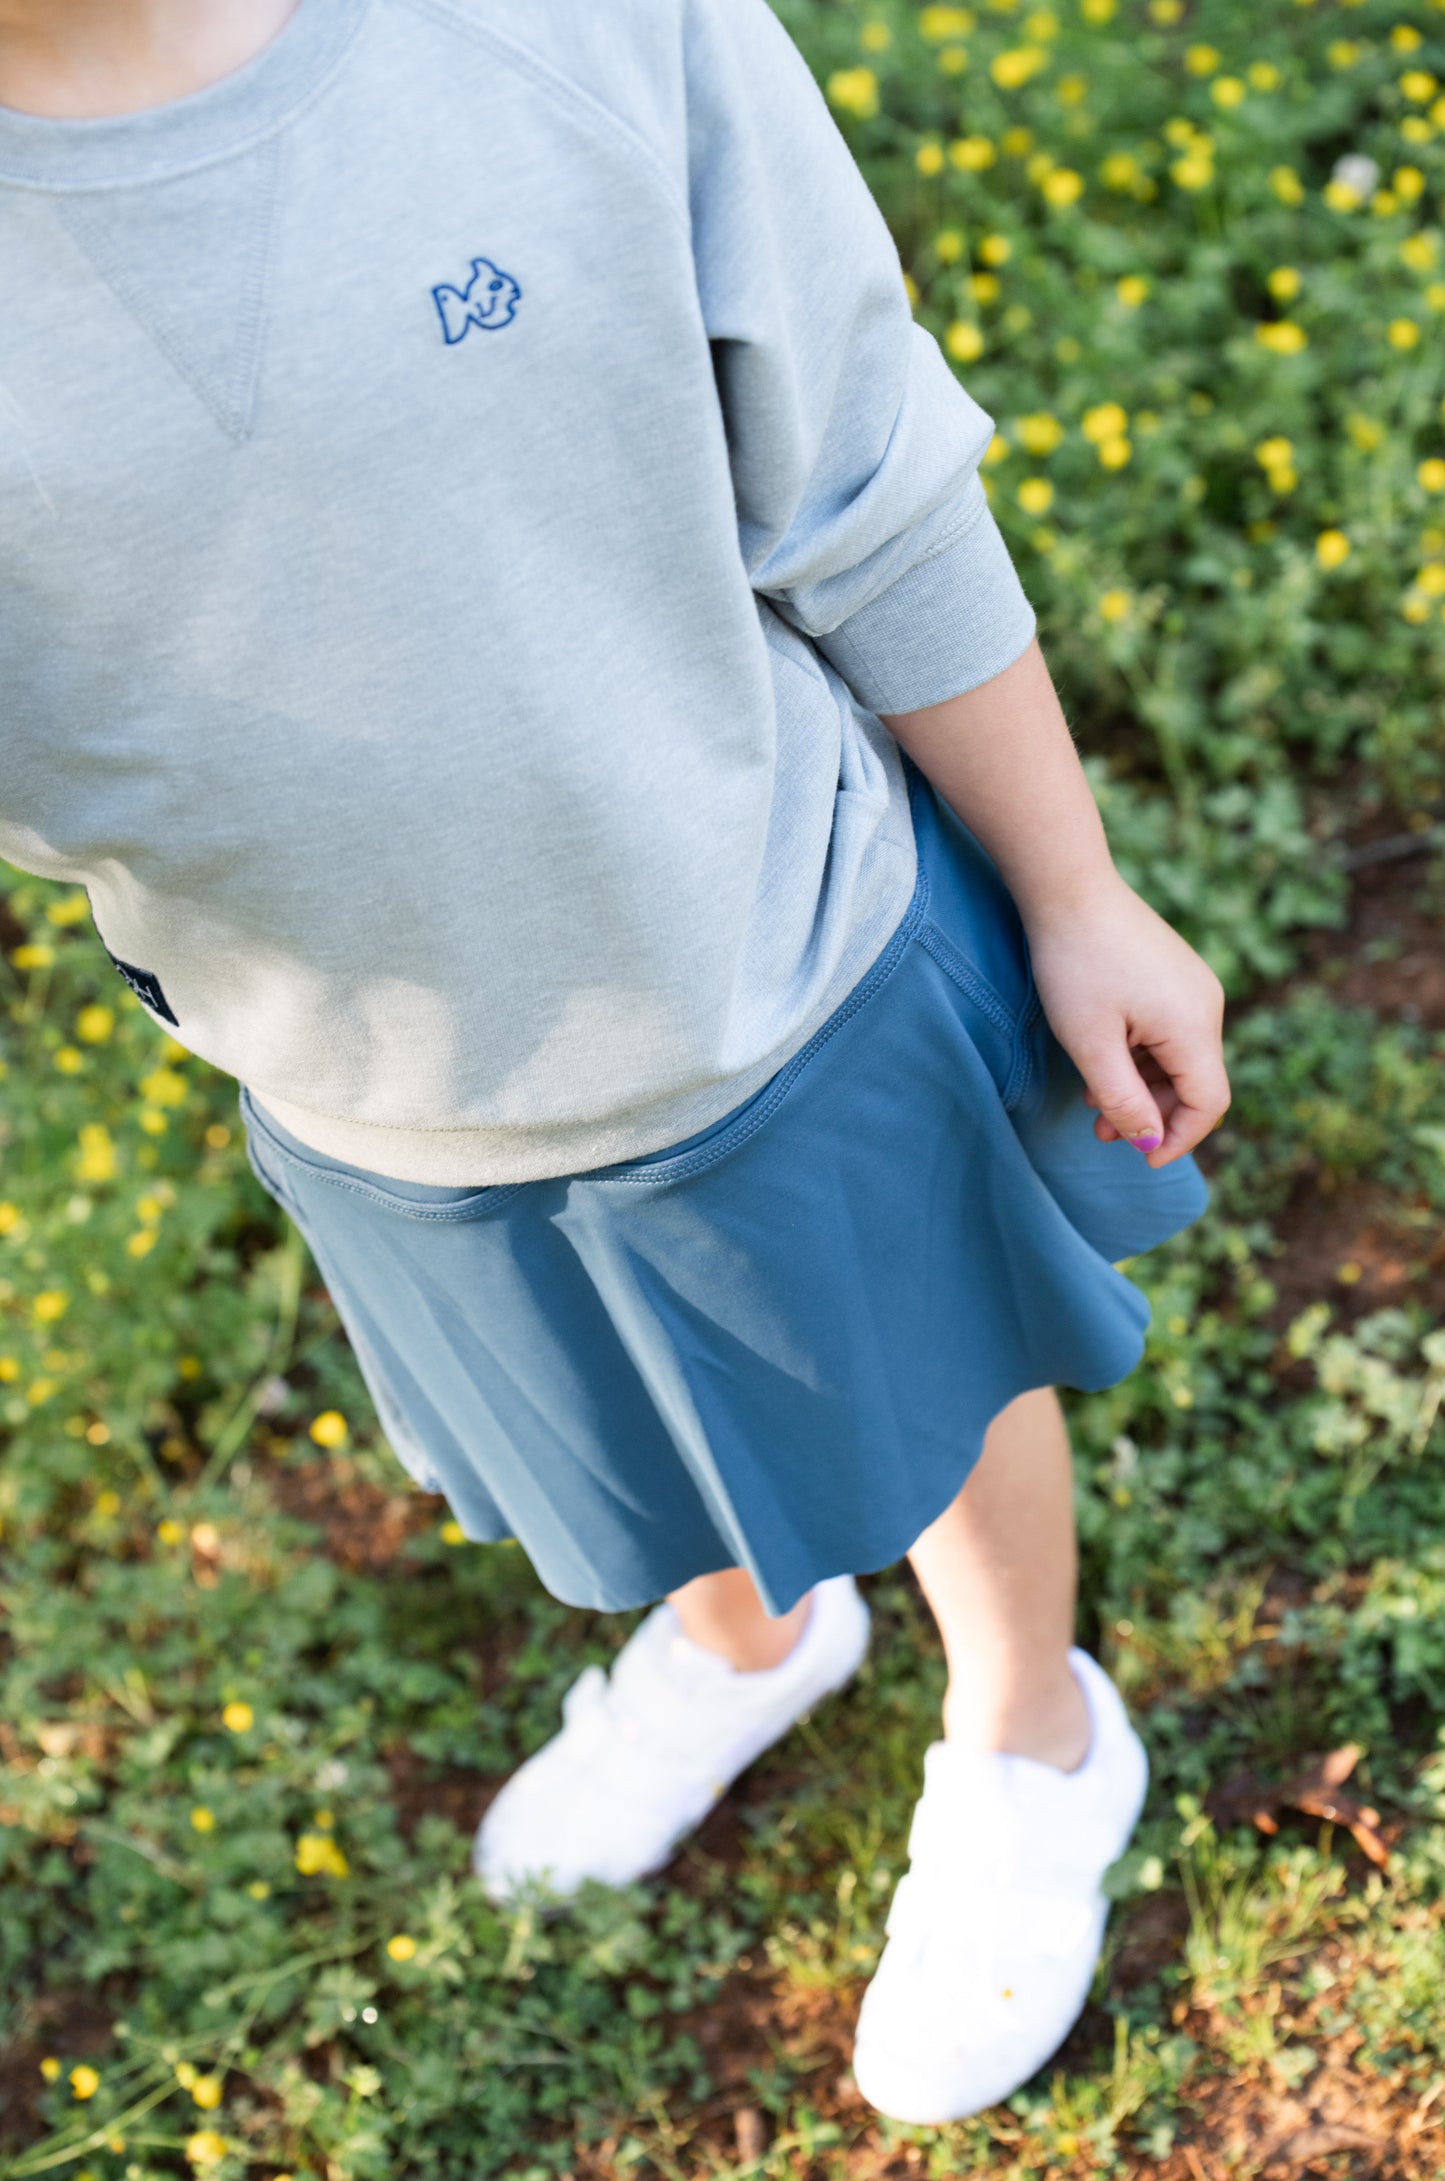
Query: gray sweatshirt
point(471, 481)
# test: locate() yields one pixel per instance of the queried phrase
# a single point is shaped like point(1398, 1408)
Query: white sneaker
point(645, 1751)
point(996, 1927)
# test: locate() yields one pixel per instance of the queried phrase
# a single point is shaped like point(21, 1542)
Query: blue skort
point(779, 1344)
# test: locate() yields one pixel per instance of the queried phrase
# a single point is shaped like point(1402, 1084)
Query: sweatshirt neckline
point(208, 125)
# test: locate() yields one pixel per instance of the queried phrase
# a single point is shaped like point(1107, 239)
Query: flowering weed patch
point(255, 1690)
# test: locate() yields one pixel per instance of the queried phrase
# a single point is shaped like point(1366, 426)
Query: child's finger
point(1199, 1101)
point(1127, 1106)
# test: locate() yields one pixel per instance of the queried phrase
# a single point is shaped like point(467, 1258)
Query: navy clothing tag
point(146, 987)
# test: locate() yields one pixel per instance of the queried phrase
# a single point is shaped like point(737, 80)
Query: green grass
point(1262, 1505)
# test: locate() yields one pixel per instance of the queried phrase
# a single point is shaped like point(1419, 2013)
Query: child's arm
point(1135, 1008)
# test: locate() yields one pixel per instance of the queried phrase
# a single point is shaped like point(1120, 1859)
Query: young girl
point(502, 616)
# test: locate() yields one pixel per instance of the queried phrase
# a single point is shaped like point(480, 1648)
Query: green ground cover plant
point(254, 1691)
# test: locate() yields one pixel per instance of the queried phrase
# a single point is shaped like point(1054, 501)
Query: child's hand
point(1138, 1013)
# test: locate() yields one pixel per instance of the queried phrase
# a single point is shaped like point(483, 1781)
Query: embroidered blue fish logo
point(488, 300)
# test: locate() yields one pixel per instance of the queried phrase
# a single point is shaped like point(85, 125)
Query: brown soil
point(363, 1527)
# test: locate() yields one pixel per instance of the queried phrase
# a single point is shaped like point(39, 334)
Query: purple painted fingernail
point(1146, 1143)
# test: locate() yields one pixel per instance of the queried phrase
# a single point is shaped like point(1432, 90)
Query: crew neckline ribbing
point(42, 152)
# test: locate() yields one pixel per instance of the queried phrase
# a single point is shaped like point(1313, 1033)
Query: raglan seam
point(585, 106)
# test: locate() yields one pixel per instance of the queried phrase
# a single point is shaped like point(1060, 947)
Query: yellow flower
point(1342, 53)
point(963, 341)
point(1384, 202)
point(911, 289)
point(995, 249)
point(1263, 75)
point(97, 1159)
point(1106, 420)
point(259, 1890)
point(1062, 186)
point(1227, 91)
point(1431, 579)
point(329, 1428)
point(1419, 252)
point(142, 1242)
point(1131, 290)
point(1284, 283)
point(1202, 60)
point(875, 37)
point(1193, 171)
point(10, 1218)
point(1016, 142)
point(1072, 90)
point(402, 1947)
point(50, 1304)
point(1419, 86)
point(1341, 196)
point(1120, 171)
point(1042, 25)
point(171, 1532)
point(855, 90)
point(1098, 11)
point(1035, 495)
point(936, 24)
point(73, 909)
point(1416, 129)
point(84, 2081)
point(33, 956)
point(1040, 433)
point(50, 2069)
point(1114, 453)
point(39, 1391)
point(206, 2091)
point(1166, 11)
point(238, 1717)
point(1016, 64)
point(1332, 548)
point(68, 1060)
point(9, 1370)
point(929, 158)
point(948, 244)
point(185, 2073)
point(1274, 453)
point(1114, 605)
point(1286, 185)
point(202, 1819)
point(107, 1504)
point(984, 287)
point(1409, 184)
point(1431, 474)
point(1414, 608)
point(971, 154)
point(1405, 38)
point(164, 1087)
point(1402, 333)
point(1364, 431)
point(153, 1121)
point(1283, 337)
point(205, 2148)
point(452, 1533)
point(317, 1855)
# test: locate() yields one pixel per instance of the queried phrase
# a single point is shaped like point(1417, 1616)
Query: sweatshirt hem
point(465, 1156)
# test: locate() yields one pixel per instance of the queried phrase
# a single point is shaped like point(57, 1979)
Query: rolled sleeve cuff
point(955, 619)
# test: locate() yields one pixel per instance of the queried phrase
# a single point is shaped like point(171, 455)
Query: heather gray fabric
point(471, 480)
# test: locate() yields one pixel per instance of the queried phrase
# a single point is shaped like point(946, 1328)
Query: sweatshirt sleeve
point(854, 449)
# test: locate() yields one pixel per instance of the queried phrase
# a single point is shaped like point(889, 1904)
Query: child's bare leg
point(999, 1569)
point(723, 1612)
